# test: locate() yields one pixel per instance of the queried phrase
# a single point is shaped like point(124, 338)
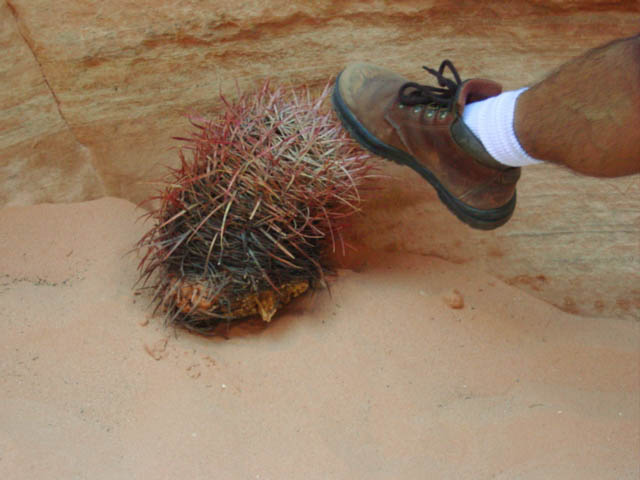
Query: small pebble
point(454, 299)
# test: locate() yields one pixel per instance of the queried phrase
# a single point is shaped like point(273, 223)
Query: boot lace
point(412, 93)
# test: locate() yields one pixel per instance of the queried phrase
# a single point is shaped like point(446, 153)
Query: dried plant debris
point(262, 193)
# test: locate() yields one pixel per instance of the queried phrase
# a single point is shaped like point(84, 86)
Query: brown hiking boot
point(421, 127)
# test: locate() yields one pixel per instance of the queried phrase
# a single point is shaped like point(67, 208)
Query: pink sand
point(379, 379)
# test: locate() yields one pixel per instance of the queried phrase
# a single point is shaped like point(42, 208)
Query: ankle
point(492, 122)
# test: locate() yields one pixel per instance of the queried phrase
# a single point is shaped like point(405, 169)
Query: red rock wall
point(92, 92)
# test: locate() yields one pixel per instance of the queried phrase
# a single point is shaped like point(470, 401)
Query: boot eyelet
point(417, 109)
point(401, 105)
point(443, 115)
point(430, 113)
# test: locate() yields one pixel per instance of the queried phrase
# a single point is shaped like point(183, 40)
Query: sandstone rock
point(572, 240)
point(40, 158)
point(94, 91)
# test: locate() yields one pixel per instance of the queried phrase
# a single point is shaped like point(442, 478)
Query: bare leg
point(586, 115)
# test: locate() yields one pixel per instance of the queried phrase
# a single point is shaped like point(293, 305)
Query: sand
point(410, 367)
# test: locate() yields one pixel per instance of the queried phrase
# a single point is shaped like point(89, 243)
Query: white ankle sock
point(491, 120)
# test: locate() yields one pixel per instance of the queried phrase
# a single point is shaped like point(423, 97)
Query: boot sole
point(474, 217)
